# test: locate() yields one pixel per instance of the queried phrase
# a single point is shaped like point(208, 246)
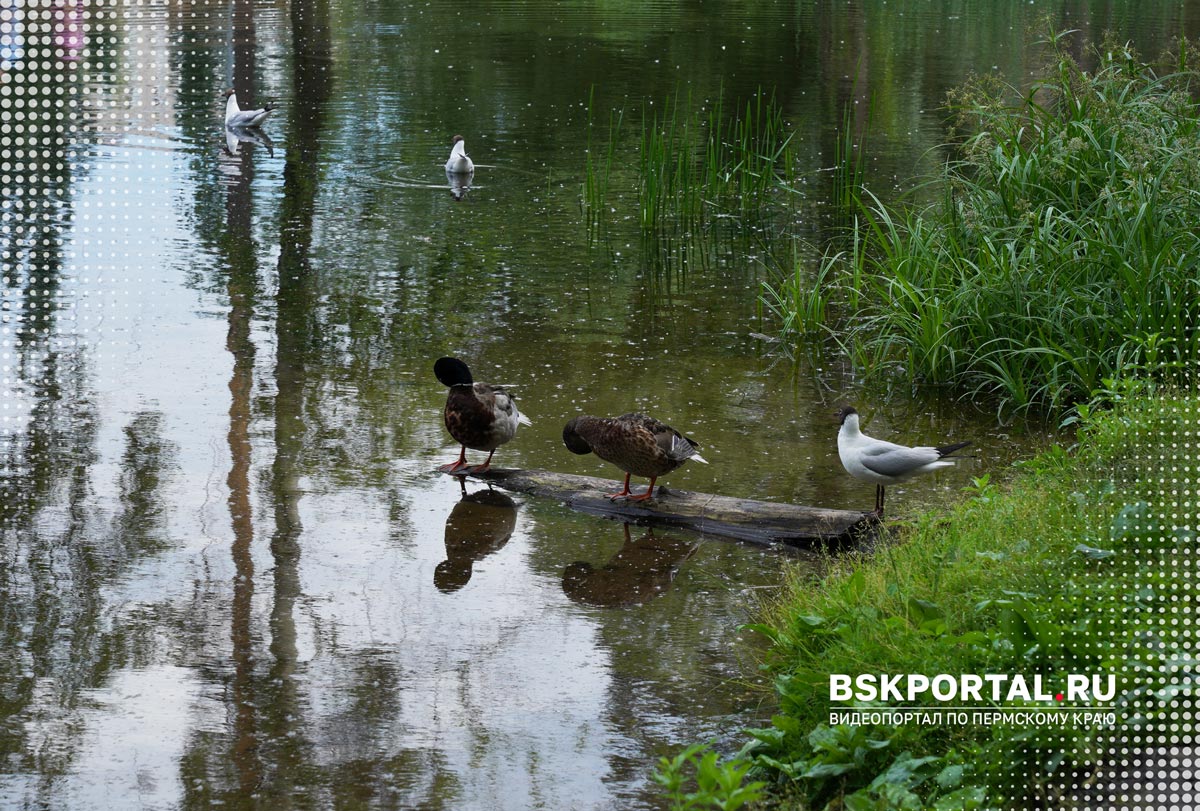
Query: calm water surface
point(230, 573)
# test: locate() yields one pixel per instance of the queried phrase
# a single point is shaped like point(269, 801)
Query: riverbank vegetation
point(1053, 266)
point(1072, 568)
point(1055, 251)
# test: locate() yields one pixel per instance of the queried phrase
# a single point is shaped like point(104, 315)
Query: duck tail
point(685, 449)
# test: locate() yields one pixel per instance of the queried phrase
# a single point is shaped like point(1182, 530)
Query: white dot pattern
point(41, 57)
point(76, 78)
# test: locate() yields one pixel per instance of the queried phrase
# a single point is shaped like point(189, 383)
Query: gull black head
point(456, 139)
point(227, 93)
point(452, 372)
point(843, 412)
point(574, 442)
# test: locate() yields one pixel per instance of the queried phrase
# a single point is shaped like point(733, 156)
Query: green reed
point(698, 163)
point(1061, 252)
point(800, 300)
point(599, 169)
point(849, 169)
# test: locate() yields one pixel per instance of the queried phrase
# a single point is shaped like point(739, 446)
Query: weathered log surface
point(748, 520)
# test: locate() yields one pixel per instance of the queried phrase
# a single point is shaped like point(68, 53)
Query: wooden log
point(760, 522)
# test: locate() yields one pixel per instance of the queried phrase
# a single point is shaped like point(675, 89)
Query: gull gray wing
point(248, 118)
point(887, 459)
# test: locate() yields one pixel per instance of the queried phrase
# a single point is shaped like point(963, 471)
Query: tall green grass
point(803, 300)
point(849, 168)
point(800, 299)
point(696, 163)
point(1060, 252)
point(598, 170)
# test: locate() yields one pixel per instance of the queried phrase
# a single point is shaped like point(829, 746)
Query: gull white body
point(883, 463)
point(459, 162)
point(237, 117)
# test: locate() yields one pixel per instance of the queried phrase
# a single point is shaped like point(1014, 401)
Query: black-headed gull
point(236, 117)
point(881, 462)
point(459, 163)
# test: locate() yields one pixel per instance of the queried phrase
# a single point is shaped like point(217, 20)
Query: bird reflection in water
point(460, 183)
point(641, 570)
point(236, 136)
point(480, 524)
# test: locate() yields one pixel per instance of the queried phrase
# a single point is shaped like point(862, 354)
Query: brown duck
point(637, 444)
point(478, 416)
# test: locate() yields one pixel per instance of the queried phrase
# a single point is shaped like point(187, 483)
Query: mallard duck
point(478, 416)
point(459, 163)
point(881, 462)
point(637, 444)
point(237, 117)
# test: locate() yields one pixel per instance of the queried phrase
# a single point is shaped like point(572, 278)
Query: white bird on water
point(881, 462)
point(459, 163)
point(237, 117)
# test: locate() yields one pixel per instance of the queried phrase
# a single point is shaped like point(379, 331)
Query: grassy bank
point(1057, 265)
point(1060, 249)
point(1079, 566)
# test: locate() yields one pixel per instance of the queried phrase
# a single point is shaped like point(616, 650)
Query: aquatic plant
point(799, 299)
point(696, 164)
point(746, 156)
point(599, 168)
point(849, 168)
point(1059, 251)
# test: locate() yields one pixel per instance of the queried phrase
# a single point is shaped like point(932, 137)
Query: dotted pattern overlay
point(71, 86)
point(41, 59)
point(80, 84)
point(1152, 762)
point(1140, 628)
point(40, 56)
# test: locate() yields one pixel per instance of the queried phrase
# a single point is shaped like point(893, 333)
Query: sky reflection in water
point(229, 570)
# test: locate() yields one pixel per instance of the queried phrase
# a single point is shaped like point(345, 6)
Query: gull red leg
point(455, 467)
point(646, 495)
point(621, 494)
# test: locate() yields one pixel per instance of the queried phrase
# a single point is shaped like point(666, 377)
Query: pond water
point(231, 574)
